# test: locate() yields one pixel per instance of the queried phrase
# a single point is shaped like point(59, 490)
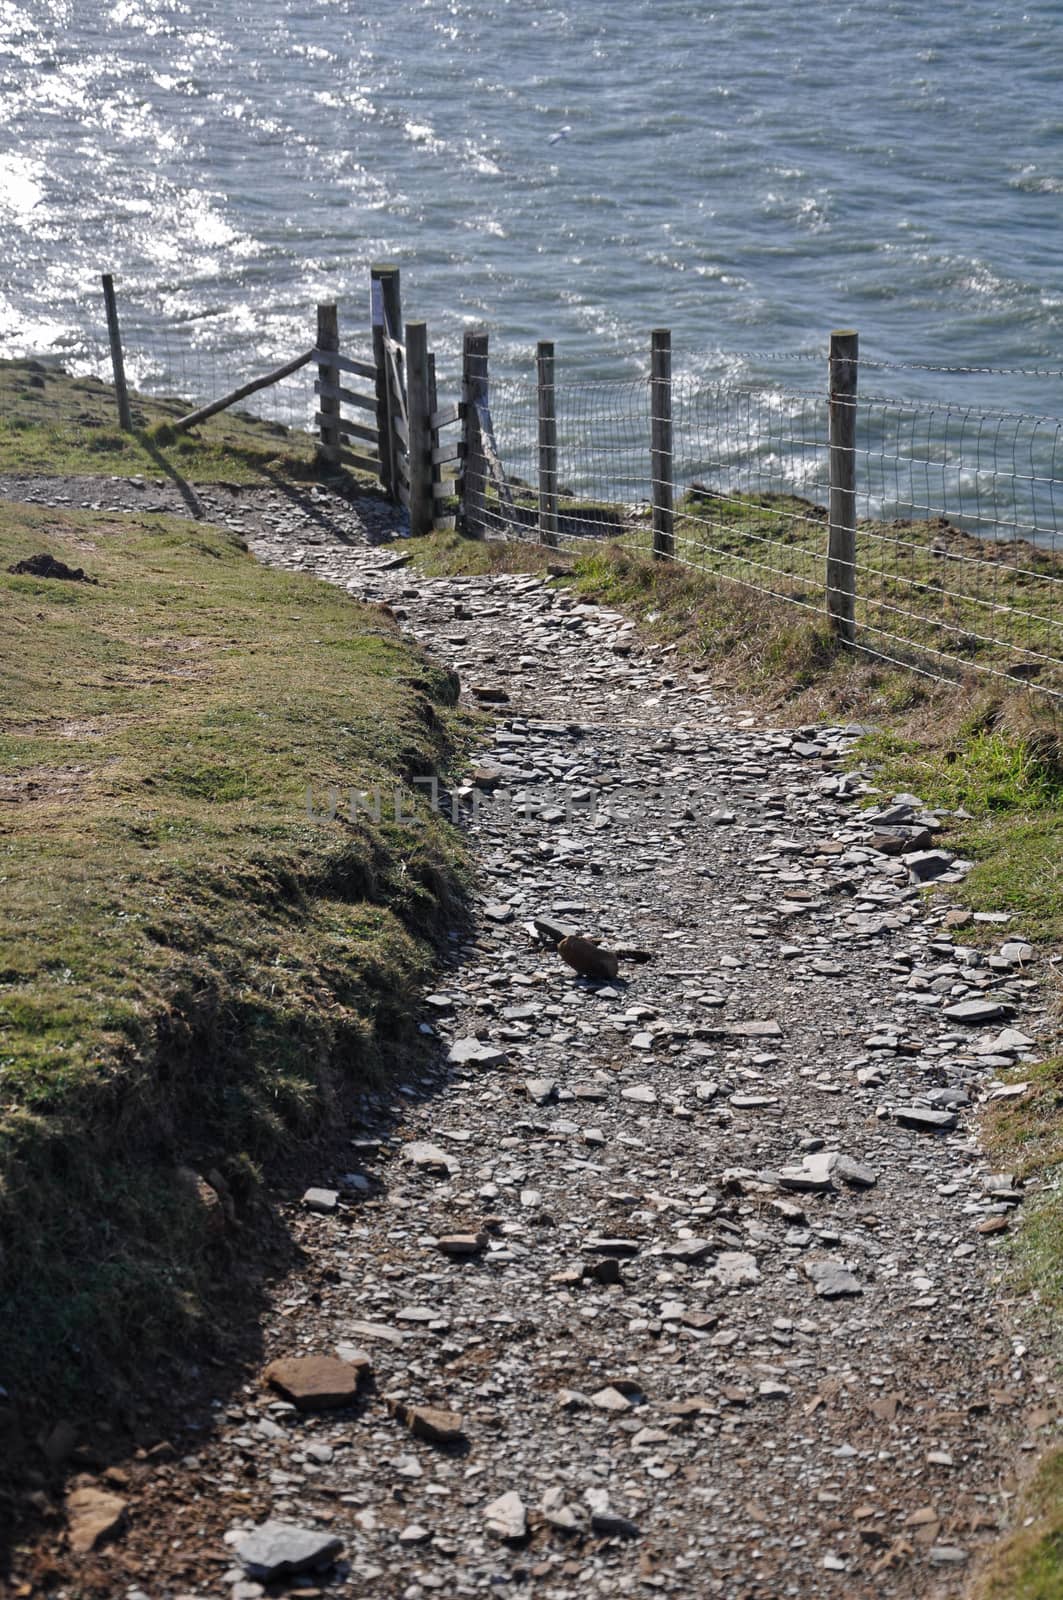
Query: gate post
point(474, 462)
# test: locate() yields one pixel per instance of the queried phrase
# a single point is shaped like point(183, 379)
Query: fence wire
point(959, 555)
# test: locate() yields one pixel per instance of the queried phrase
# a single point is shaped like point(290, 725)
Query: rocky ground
point(685, 1281)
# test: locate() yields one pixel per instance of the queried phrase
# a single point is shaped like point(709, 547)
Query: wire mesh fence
point(958, 557)
point(957, 562)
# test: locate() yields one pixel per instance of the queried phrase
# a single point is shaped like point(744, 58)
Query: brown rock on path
point(429, 1423)
point(93, 1516)
point(586, 958)
point(317, 1383)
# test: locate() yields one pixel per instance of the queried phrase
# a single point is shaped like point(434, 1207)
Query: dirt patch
point(43, 785)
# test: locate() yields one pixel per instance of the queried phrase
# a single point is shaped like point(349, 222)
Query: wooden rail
point(245, 389)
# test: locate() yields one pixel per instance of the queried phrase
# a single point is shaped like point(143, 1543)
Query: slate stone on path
point(979, 1011)
point(830, 1280)
point(276, 1550)
point(924, 1120)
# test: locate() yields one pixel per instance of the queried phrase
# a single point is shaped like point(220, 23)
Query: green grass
point(1009, 777)
point(194, 972)
point(53, 424)
point(1026, 1137)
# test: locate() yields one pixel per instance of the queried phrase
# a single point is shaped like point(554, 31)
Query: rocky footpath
point(680, 1281)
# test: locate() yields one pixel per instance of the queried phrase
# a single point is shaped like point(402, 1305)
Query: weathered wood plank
point(354, 458)
point(447, 452)
point(336, 391)
point(352, 430)
point(446, 415)
point(351, 364)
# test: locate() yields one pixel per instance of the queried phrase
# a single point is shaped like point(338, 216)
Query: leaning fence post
point(661, 442)
point(125, 420)
point(544, 363)
point(474, 463)
point(386, 293)
point(841, 539)
point(328, 339)
point(418, 410)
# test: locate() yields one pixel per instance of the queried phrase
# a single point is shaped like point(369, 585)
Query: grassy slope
point(190, 967)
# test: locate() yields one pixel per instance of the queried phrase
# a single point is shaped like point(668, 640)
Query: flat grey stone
point(924, 1120)
point(465, 1051)
point(689, 1250)
point(977, 1011)
point(282, 1549)
point(323, 1200)
point(541, 1090)
point(830, 1280)
point(925, 865)
point(854, 1173)
point(429, 1156)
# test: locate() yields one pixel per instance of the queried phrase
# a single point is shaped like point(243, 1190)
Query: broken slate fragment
point(854, 1173)
point(429, 1157)
point(277, 1550)
point(464, 1051)
point(925, 865)
point(322, 1200)
point(977, 1011)
point(831, 1280)
point(506, 1518)
point(494, 911)
point(924, 1120)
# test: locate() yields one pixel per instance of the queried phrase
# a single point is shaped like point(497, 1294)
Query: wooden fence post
point(328, 338)
point(418, 410)
point(544, 363)
point(841, 539)
point(125, 420)
point(474, 462)
point(386, 293)
point(661, 442)
point(433, 433)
